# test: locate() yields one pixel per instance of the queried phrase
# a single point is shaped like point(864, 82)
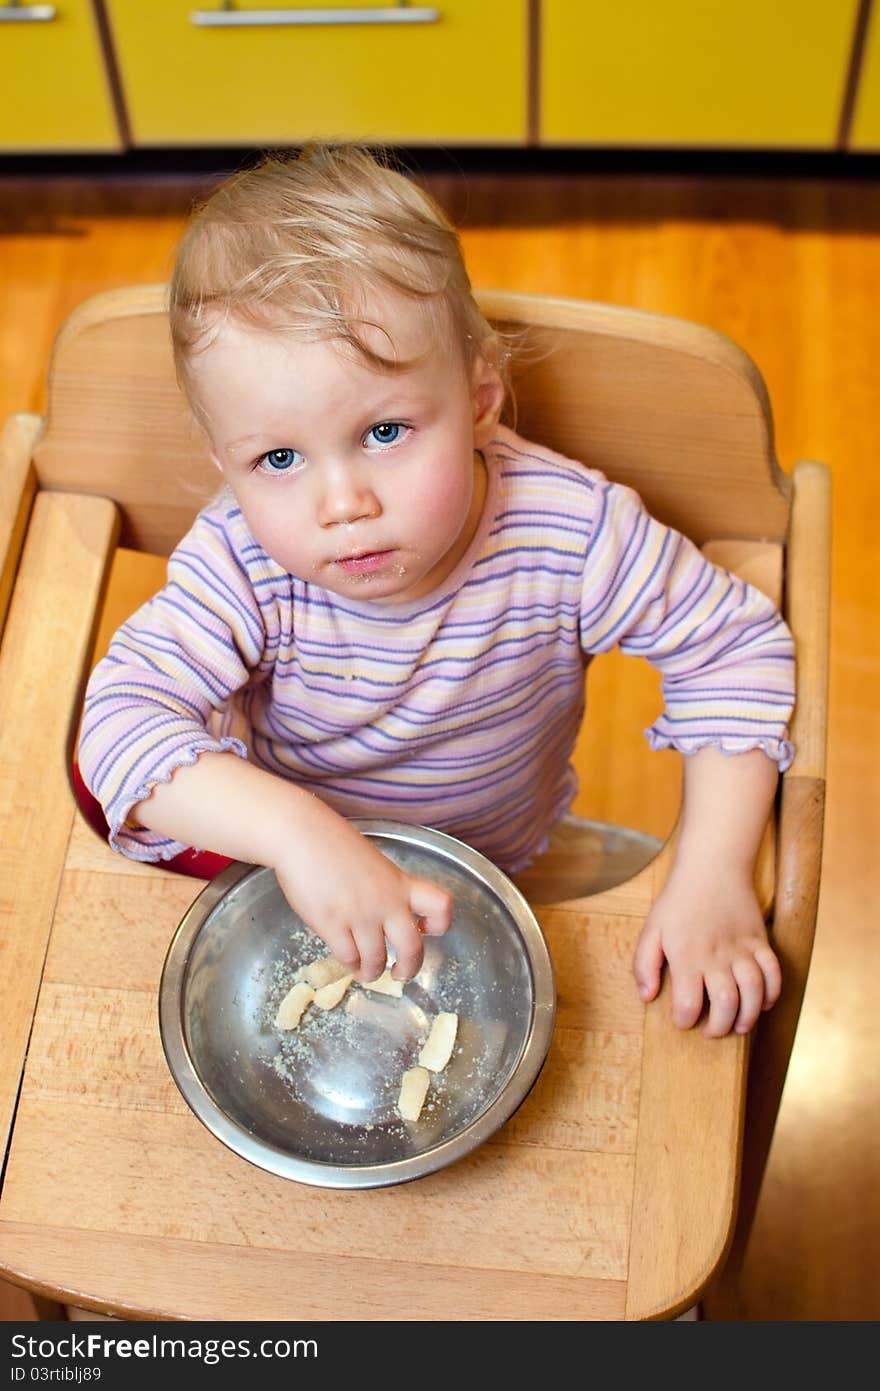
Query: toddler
point(388, 609)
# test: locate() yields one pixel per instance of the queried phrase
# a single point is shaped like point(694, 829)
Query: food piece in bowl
point(329, 995)
point(322, 972)
point(413, 1090)
point(294, 1005)
point(437, 1048)
point(385, 984)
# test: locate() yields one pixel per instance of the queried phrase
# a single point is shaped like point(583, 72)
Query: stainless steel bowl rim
point(274, 1160)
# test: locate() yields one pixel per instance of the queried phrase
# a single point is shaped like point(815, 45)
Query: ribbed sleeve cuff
point(139, 843)
point(781, 751)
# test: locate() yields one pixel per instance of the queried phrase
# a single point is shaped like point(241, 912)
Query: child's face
point(362, 481)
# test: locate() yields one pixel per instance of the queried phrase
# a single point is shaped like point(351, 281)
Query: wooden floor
point(790, 270)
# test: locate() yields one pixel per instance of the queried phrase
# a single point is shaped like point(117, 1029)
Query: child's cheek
point(275, 530)
point(444, 499)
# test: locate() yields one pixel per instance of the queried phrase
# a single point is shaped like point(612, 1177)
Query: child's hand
point(359, 902)
point(348, 892)
point(710, 930)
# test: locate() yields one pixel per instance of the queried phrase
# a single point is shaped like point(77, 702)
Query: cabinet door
point(458, 76)
point(865, 132)
point(56, 91)
point(746, 73)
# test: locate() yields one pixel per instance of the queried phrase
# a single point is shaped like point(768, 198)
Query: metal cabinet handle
point(26, 14)
point(227, 16)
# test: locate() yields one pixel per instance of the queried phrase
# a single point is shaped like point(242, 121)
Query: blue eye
point(388, 432)
point(280, 461)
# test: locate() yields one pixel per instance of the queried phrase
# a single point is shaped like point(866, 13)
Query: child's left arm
point(727, 659)
point(706, 922)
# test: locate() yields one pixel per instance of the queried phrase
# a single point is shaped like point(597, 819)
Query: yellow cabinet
point(736, 73)
point(455, 71)
point(54, 81)
point(865, 129)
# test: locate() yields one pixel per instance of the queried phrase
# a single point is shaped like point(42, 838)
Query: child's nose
point(347, 497)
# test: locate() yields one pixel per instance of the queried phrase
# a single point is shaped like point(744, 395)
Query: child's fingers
point(723, 1010)
point(406, 939)
point(687, 996)
point(343, 946)
point(373, 956)
point(432, 905)
point(724, 1003)
point(648, 964)
point(430, 913)
point(772, 973)
point(750, 981)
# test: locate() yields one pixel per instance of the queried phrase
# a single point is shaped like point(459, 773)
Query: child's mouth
point(368, 563)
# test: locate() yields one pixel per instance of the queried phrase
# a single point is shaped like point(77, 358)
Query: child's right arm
point(352, 895)
point(165, 782)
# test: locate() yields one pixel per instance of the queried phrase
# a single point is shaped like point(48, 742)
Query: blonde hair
point(300, 243)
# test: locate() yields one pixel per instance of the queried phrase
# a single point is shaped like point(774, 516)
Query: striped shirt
point(458, 710)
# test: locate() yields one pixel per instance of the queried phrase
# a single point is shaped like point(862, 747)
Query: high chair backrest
point(673, 409)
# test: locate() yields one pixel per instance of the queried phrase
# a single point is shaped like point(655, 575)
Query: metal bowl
point(319, 1104)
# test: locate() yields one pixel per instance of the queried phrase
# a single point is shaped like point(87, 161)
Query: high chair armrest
point(807, 608)
point(800, 822)
point(18, 484)
point(43, 657)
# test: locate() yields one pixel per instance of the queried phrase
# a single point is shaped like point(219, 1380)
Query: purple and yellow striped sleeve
point(725, 653)
point(172, 664)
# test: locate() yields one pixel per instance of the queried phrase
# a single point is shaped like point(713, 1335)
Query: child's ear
point(488, 400)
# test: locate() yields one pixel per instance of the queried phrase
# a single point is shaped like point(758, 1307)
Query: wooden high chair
point(626, 1183)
